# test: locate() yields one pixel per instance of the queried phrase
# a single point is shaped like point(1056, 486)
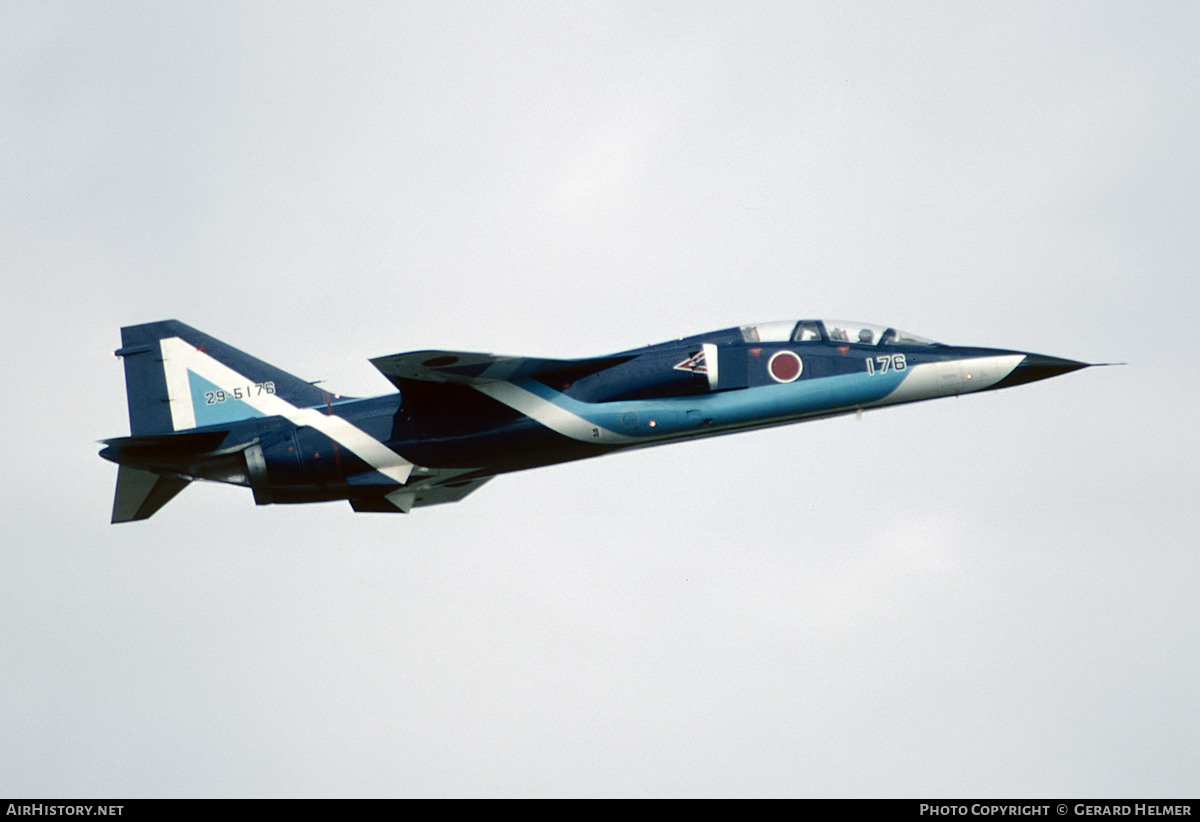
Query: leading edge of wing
point(468, 368)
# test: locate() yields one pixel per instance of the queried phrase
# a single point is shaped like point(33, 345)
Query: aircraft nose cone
point(1039, 367)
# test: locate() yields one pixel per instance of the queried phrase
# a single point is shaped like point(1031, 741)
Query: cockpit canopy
point(830, 331)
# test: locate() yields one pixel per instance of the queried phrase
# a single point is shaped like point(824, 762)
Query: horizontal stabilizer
point(186, 442)
point(141, 493)
point(468, 368)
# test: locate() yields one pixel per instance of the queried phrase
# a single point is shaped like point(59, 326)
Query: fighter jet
point(200, 409)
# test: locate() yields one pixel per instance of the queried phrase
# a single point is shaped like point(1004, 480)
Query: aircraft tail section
point(177, 378)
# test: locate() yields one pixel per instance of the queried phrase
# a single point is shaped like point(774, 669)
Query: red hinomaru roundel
point(784, 366)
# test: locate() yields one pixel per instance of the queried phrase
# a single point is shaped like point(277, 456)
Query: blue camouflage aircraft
point(201, 409)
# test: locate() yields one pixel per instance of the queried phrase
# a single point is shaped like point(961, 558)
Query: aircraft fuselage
point(458, 419)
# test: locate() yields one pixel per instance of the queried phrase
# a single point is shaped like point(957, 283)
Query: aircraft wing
point(468, 368)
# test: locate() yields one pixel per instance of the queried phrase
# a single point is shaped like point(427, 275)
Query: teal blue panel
point(214, 405)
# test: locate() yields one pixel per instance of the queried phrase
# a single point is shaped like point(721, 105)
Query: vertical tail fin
point(178, 378)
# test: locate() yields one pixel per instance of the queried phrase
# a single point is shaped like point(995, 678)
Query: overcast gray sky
point(988, 596)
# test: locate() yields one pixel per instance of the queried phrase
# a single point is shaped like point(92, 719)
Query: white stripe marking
point(938, 379)
point(553, 416)
point(710, 365)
